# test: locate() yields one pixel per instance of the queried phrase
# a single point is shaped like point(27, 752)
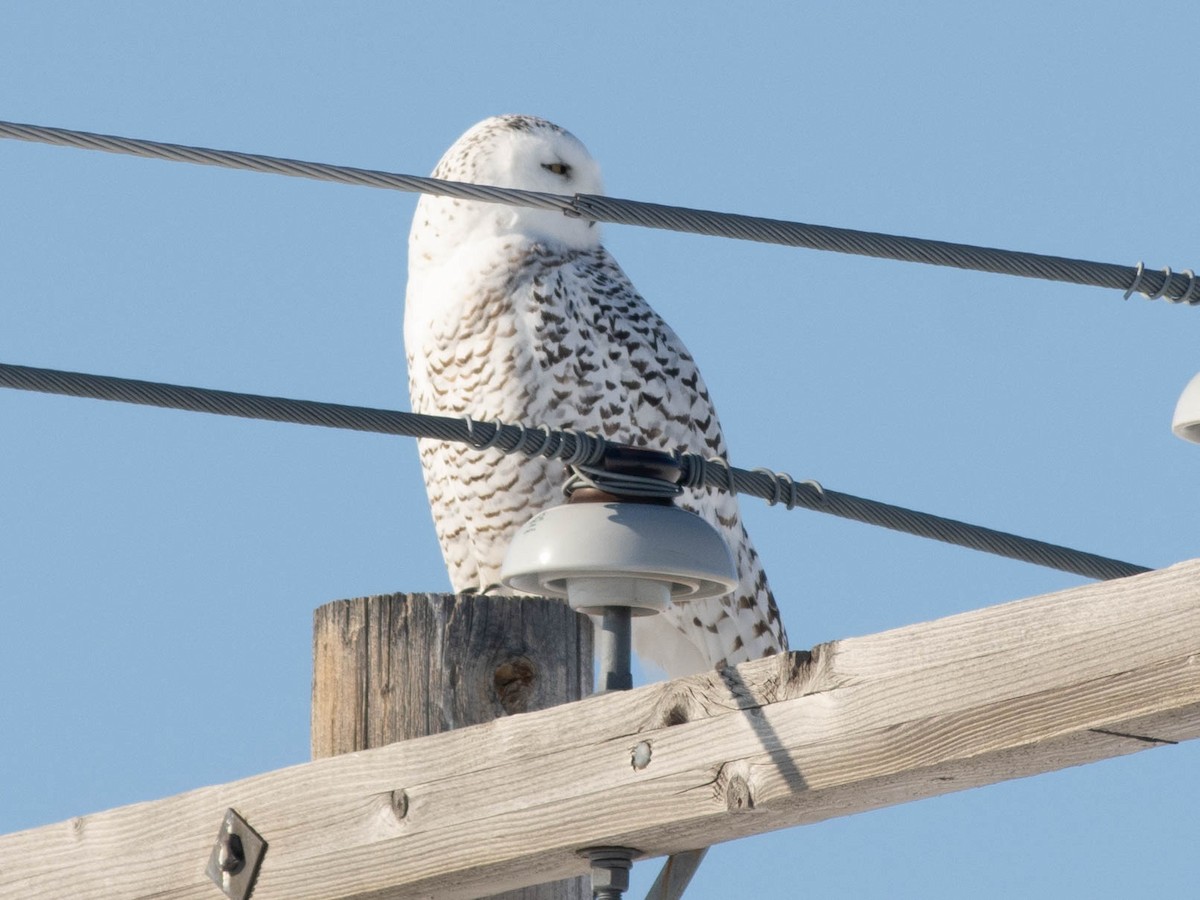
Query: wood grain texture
point(401, 666)
point(999, 693)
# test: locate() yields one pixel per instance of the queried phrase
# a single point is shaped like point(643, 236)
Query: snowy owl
point(521, 315)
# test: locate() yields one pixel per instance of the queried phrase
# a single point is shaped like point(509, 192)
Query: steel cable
point(1176, 287)
point(575, 448)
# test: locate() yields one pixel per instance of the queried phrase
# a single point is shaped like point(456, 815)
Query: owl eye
point(557, 168)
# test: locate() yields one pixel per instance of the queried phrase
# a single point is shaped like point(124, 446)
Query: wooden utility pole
point(400, 666)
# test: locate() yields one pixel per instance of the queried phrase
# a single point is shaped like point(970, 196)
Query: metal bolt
point(613, 642)
point(610, 870)
point(232, 856)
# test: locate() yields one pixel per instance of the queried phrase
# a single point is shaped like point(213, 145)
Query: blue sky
point(145, 554)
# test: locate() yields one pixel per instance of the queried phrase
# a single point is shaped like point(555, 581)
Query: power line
point(574, 448)
point(1177, 287)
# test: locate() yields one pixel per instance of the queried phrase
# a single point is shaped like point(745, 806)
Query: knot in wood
point(675, 707)
point(515, 681)
point(399, 802)
point(732, 784)
point(737, 794)
point(676, 715)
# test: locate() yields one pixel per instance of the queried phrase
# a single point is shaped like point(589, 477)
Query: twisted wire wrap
point(1137, 281)
point(1159, 292)
point(1187, 295)
point(766, 484)
point(622, 484)
point(784, 482)
point(1176, 287)
point(573, 447)
point(483, 444)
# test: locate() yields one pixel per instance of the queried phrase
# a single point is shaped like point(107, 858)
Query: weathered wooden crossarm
point(972, 699)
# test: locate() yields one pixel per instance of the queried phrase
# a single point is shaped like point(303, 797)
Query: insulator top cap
point(619, 541)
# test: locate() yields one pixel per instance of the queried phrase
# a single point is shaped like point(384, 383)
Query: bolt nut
point(613, 879)
point(231, 857)
point(610, 867)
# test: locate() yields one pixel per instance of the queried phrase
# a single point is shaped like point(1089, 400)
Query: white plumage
point(521, 315)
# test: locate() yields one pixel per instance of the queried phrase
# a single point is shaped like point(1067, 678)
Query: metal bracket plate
point(236, 856)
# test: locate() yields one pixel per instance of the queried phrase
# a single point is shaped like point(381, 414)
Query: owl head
point(514, 151)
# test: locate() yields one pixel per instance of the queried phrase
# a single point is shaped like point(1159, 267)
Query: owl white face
point(526, 153)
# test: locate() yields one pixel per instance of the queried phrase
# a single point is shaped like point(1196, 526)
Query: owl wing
point(563, 338)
